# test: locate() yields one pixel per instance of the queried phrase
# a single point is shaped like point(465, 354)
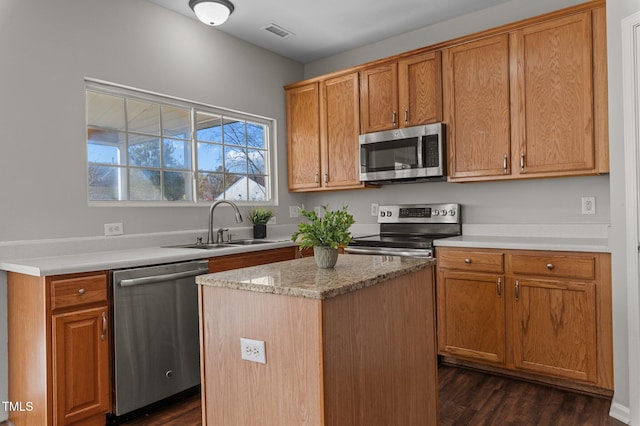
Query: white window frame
point(127, 92)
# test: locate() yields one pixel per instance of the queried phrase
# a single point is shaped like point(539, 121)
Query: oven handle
point(161, 278)
point(383, 252)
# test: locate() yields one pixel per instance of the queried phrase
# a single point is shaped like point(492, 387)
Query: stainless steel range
point(409, 230)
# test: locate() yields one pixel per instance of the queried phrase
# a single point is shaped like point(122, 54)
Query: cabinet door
point(553, 94)
point(341, 127)
point(420, 89)
point(477, 108)
point(379, 98)
point(471, 316)
point(303, 137)
point(554, 328)
point(80, 365)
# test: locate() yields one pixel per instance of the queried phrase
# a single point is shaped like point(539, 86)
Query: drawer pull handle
point(517, 290)
point(81, 291)
point(104, 326)
point(467, 261)
point(550, 266)
point(499, 287)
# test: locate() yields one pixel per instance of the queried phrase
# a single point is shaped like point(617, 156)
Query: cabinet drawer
point(76, 291)
point(568, 266)
point(470, 260)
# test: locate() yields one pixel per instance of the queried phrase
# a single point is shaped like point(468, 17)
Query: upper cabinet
point(524, 100)
point(527, 103)
point(323, 125)
point(403, 93)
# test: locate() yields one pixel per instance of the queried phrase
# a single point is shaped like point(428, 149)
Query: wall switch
point(588, 205)
point(318, 210)
point(294, 211)
point(111, 229)
point(374, 209)
point(253, 350)
point(272, 221)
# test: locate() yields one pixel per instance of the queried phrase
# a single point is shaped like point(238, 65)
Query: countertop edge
point(592, 245)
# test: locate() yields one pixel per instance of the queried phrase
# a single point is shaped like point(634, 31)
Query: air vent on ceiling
point(278, 30)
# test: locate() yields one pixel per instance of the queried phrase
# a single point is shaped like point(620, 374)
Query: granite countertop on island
point(302, 278)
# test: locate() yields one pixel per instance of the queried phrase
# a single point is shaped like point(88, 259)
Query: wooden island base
point(367, 357)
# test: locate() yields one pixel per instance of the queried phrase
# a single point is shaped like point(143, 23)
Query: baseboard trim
point(620, 412)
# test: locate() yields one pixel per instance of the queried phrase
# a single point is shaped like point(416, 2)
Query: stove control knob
point(452, 212)
point(382, 213)
point(444, 212)
point(436, 212)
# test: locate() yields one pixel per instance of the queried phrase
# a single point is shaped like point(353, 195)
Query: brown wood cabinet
point(401, 93)
point(244, 260)
point(526, 102)
point(59, 348)
point(323, 123)
point(547, 316)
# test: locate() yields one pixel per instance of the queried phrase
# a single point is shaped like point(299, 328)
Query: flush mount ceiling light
point(211, 12)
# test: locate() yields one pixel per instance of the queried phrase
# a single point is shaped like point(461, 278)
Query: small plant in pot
point(325, 234)
point(259, 216)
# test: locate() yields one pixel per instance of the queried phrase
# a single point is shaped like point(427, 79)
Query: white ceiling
point(327, 27)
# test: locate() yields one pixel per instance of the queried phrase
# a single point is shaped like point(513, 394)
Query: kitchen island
point(352, 345)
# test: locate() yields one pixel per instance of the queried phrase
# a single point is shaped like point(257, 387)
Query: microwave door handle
point(420, 153)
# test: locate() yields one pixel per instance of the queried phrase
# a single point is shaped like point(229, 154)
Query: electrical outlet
point(588, 205)
point(253, 350)
point(318, 210)
point(374, 209)
point(111, 229)
point(294, 211)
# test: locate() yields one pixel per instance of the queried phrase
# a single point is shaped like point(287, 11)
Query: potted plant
point(259, 216)
point(325, 234)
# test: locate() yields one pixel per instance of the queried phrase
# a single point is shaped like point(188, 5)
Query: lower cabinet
point(539, 315)
point(59, 368)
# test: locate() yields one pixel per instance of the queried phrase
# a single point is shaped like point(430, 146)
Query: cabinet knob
point(467, 260)
point(81, 291)
point(550, 266)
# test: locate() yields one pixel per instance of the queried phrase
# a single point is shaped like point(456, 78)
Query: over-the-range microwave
point(411, 154)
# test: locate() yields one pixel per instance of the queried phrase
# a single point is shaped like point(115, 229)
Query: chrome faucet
point(210, 239)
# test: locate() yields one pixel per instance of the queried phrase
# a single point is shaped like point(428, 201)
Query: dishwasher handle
point(162, 278)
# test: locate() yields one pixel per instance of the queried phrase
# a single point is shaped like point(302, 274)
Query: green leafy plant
point(260, 215)
point(330, 230)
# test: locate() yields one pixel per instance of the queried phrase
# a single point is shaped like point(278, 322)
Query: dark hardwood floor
point(466, 398)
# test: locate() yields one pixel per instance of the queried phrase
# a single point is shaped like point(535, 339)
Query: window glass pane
point(257, 189)
point(106, 146)
point(176, 122)
point(234, 133)
point(143, 117)
point(144, 185)
point(210, 186)
point(144, 151)
point(176, 154)
point(256, 135)
point(255, 159)
point(235, 159)
point(105, 111)
point(236, 188)
point(208, 127)
point(209, 157)
point(177, 186)
point(104, 183)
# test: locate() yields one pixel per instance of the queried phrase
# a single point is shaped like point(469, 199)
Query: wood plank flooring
point(466, 398)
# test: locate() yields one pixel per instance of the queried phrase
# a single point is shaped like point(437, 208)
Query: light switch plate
point(111, 229)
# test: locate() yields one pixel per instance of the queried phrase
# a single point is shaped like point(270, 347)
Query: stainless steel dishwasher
point(156, 344)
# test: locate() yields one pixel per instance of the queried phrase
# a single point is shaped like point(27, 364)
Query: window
point(144, 148)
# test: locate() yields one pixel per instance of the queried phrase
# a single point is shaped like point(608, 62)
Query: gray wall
point(47, 48)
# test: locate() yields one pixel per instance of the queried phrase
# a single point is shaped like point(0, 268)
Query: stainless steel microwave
point(412, 154)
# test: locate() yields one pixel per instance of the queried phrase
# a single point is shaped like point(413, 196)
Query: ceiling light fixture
point(211, 12)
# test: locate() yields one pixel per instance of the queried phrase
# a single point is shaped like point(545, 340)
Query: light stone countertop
point(302, 278)
point(597, 245)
